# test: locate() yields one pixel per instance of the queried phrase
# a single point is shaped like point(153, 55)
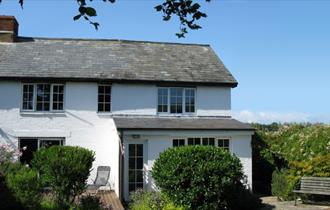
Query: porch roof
point(130, 123)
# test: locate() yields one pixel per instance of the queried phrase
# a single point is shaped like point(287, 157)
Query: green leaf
point(76, 17)
point(158, 8)
point(90, 11)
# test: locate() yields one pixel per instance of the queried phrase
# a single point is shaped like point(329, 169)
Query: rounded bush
point(65, 170)
point(199, 177)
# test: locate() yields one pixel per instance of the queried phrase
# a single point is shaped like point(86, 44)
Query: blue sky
point(279, 51)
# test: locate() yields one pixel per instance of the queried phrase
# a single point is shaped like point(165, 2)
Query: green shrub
point(199, 177)
point(65, 169)
point(283, 183)
point(144, 200)
point(10, 167)
point(24, 184)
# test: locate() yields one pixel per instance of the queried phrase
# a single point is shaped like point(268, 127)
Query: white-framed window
point(42, 97)
point(223, 143)
point(176, 100)
point(194, 141)
point(28, 97)
point(208, 141)
point(30, 145)
point(104, 98)
point(178, 142)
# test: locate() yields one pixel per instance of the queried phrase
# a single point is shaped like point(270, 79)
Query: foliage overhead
point(187, 11)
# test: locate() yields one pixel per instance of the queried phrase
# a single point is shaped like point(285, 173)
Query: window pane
point(205, 141)
point(190, 100)
point(197, 141)
point(131, 150)
point(139, 163)
point(181, 142)
point(43, 97)
point(139, 176)
point(175, 143)
point(131, 163)
point(104, 98)
point(131, 175)
point(190, 141)
point(162, 99)
point(131, 187)
point(49, 143)
point(27, 97)
point(226, 143)
point(176, 95)
point(139, 148)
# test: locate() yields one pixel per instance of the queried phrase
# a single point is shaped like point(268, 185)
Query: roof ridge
point(114, 40)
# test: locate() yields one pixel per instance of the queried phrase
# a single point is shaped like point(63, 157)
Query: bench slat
point(316, 178)
point(314, 186)
point(311, 192)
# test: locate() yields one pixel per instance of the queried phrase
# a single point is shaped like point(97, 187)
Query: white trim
point(97, 99)
point(34, 103)
point(216, 140)
point(127, 142)
point(40, 139)
point(184, 113)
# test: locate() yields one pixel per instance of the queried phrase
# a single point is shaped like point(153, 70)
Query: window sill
point(104, 113)
point(176, 115)
point(36, 113)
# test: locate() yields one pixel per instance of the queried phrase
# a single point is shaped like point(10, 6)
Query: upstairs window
point(43, 97)
point(176, 100)
point(104, 98)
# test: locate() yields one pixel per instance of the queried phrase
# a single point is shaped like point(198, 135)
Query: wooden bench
point(313, 185)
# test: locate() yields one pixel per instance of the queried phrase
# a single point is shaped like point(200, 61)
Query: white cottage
point(126, 100)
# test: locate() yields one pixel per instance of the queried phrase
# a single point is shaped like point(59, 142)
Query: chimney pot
point(8, 28)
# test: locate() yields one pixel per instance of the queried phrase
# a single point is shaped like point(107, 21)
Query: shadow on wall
point(7, 138)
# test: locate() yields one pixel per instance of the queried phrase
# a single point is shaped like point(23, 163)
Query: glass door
point(135, 167)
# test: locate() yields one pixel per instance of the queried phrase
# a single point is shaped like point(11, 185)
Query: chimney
point(8, 28)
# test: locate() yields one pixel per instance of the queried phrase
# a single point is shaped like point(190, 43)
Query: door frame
point(127, 142)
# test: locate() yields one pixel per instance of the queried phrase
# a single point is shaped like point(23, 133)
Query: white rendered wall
point(156, 142)
point(80, 124)
point(213, 101)
point(128, 99)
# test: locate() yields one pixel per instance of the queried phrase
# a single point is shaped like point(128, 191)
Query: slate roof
point(116, 60)
point(180, 124)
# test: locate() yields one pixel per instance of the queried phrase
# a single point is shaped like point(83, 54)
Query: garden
point(190, 177)
point(284, 153)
